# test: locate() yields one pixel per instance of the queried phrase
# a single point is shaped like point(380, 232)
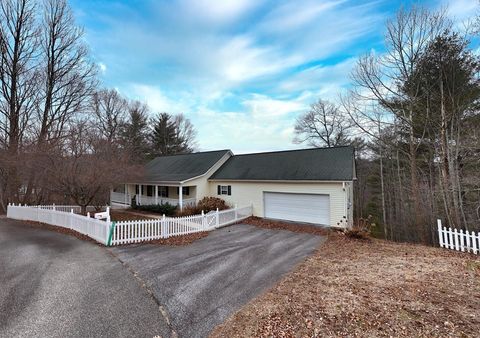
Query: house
point(307, 185)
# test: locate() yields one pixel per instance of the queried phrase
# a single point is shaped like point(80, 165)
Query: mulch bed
point(61, 230)
point(172, 241)
point(295, 227)
point(117, 215)
point(370, 288)
point(176, 240)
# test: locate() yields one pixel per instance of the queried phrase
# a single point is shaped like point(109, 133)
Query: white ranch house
point(309, 185)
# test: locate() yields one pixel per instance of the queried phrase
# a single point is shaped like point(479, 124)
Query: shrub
point(212, 203)
point(189, 210)
point(163, 209)
point(361, 229)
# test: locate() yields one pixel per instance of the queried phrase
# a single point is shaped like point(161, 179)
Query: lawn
point(367, 289)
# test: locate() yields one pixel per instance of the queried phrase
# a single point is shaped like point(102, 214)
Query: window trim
point(162, 191)
point(224, 190)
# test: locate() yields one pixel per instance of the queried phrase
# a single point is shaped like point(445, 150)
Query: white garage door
point(308, 208)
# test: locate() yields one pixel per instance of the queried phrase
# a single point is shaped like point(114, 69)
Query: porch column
point(156, 194)
point(126, 195)
point(140, 190)
point(180, 197)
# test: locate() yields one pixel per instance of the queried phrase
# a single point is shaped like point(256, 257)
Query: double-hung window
point(163, 191)
point(224, 189)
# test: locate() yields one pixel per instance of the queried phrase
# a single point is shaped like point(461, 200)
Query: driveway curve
point(201, 284)
point(54, 285)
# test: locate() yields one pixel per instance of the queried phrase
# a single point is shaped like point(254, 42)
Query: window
point(185, 191)
point(149, 190)
point(163, 191)
point(120, 189)
point(224, 189)
point(137, 189)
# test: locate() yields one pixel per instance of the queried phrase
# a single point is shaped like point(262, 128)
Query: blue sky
point(240, 70)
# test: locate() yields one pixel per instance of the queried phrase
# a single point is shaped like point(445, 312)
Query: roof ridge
point(292, 150)
point(198, 152)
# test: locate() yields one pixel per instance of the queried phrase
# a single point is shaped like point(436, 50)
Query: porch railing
point(126, 199)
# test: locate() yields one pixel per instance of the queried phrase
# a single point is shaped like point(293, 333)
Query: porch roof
point(180, 168)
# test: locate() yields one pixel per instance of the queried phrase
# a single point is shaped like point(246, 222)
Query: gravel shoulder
point(368, 289)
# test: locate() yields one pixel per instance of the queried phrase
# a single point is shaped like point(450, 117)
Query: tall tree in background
point(48, 93)
point(324, 125)
point(67, 76)
point(379, 80)
point(134, 132)
point(19, 40)
point(447, 75)
point(110, 112)
point(171, 135)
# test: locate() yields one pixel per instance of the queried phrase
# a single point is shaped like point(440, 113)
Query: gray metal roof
point(329, 164)
point(178, 168)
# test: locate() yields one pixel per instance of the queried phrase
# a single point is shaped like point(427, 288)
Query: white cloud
point(462, 9)
point(103, 67)
point(265, 107)
point(240, 70)
point(214, 11)
point(261, 123)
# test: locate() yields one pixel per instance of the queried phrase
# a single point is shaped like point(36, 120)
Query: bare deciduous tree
point(379, 79)
point(324, 125)
point(18, 79)
point(110, 113)
point(68, 78)
point(88, 168)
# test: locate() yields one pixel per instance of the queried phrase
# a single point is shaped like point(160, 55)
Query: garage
point(308, 208)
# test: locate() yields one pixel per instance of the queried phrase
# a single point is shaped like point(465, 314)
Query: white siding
point(245, 193)
point(202, 184)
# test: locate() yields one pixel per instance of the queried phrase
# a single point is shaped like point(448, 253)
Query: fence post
point(462, 242)
point(456, 239)
point(467, 238)
point(70, 219)
point(164, 227)
point(217, 216)
point(440, 232)
point(110, 233)
point(203, 220)
point(53, 206)
point(108, 214)
point(475, 239)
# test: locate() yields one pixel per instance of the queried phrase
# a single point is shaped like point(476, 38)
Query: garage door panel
point(310, 208)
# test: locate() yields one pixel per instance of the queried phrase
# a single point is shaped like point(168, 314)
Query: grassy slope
point(368, 289)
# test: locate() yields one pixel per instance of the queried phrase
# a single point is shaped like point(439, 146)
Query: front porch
point(149, 194)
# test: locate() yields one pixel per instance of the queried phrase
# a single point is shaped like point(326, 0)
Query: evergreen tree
point(134, 133)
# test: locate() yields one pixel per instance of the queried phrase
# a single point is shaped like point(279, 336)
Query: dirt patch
point(175, 240)
point(368, 289)
point(116, 215)
point(295, 227)
point(61, 230)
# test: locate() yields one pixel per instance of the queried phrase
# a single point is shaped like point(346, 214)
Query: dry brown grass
point(368, 289)
point(295, 227)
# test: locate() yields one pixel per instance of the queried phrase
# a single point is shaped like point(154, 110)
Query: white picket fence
point(146, 230)
point(458, 239)
point(123, 232)
point(63, 216)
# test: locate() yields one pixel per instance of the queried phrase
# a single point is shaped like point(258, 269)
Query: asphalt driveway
point(54, 285)
point(201, 284)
